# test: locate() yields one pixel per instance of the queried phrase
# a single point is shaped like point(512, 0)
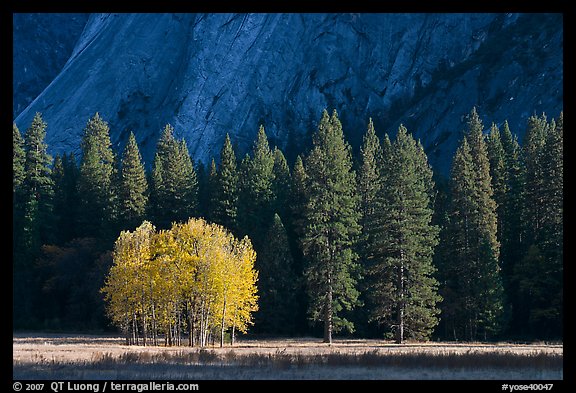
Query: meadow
point(57, 356)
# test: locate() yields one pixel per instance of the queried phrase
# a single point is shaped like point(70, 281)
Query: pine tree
point(498, 173)
point(331, 227)
point(33, 220)
point(256, 195)
point(538, 276)
point(18, 176)
point(96, 182)
point(60, 200)
point(225, 202)
point(133, 192)
point(18, 159)
point(203, 190)
point(369, 185)
point(38, 187)
point(277, 285)
point(174, 181)
point(298, 197)
point(474, 277)
point(534, 142)
point(281, 184)
point(403, 289)
point(210, 191)
point(188, 184)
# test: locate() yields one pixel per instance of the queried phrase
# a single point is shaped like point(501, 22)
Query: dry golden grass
point(83, 356)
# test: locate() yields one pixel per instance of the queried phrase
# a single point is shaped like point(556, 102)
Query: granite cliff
point(212, 74)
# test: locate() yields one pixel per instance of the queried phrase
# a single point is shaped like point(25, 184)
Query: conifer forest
point(328, 241)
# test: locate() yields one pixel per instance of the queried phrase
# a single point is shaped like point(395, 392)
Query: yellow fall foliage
point(195, 278)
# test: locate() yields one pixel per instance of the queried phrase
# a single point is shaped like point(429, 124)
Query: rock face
point(42, 45)
point(212, 74)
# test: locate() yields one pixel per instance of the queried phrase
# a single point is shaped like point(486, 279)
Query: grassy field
point(50, 356)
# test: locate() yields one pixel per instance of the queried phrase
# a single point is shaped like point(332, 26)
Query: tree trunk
point(134, 330)
point(222, 324)
point(154, 336)
point(233, 327)
point(400, 304)
point(328, 313)
point(144, 332)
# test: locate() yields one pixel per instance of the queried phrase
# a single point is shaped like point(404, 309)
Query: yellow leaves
point(195, 268)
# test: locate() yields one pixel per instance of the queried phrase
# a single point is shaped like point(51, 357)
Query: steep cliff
point(209, 74)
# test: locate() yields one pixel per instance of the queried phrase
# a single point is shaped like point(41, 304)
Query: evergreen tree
point(133, 192)
point(281, 184)
point(369, 184)
point(18, 176)
point(534, 142)
point(539, 274)
point(38, 187)
point(295, 228)
point(34, 226)
point(96, 182)
point(298, 197)
point(498, 173)
point(175, 193)
point(277, 282)
point(188, 184)
point(203, 189)
point(210, 191)
point(403, 289)
point(256, 196)
point(331, 227)
point(475, 273)
point(60, 200)
point(18, 159)
point(225, 202)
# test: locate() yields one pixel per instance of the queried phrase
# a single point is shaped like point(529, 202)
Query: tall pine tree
point(474, 277)
point(18, 175)
point(96, 182)
point(38, 187)
point(403, 290)
point(133, 192)
point(256, 195)
point(225, 202)
point(281, 184)
point(174, 183)
point(538, 276)
point(331, 227)
point(277, 283)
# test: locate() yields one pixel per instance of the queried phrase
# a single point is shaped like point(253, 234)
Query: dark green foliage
point(225, 189)
point(174, 195)
point(69, 278)
point(298, 196)
point(18, 175)
point(96, 182)
point(473, 293)
point(277, 283)
point(18, 158)
point(538, 276)
point(210, 190)
point(65, 176)
point(371, 164)
point(500, 215)
point(402, 289)
point(38, 188)
point(330, 227)
point(133, 190)
point(33, 199)
point(204, 190)
point(256, 195)
point(281, 184)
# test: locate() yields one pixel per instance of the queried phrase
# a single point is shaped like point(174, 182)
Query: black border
point(312, 6)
